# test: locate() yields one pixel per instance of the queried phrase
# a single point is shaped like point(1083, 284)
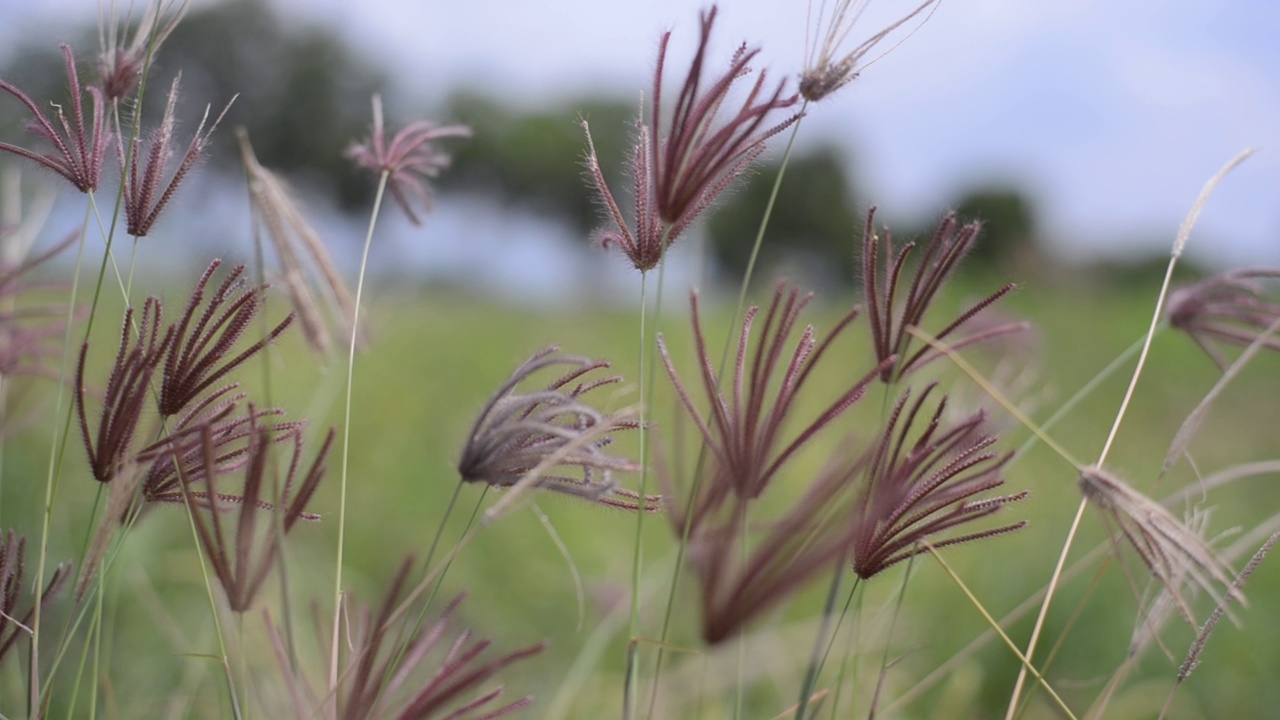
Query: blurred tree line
point(303, 95)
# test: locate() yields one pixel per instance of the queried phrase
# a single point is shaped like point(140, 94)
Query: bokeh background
point(1080, 132)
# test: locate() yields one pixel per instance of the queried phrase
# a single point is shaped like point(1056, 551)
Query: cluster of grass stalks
point(775, 480)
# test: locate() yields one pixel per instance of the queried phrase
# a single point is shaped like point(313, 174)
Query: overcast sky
point(1113, 113)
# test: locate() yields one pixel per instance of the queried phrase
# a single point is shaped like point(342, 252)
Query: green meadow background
point(433, 360)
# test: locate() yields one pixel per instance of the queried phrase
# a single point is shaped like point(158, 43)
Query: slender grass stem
point(406, 634)
point(1026, 662)
point(97, 649)
point(346, 431)
point(888, 641)
point(637, 553)
point(741, 640)
point(208, 589)
point(217, 624)
point(58, 442)
point(57, 446)
point(848, 656)
point(817, 655)
point(268, 396)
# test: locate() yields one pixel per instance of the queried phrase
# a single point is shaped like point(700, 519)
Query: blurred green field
point(435, 359)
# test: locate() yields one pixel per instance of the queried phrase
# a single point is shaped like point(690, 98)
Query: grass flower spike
point(79, 148)
point(679, 174)
point(891, 316)
point(826, 71)
point(389, 673)
point(745, 430)
point(917, 489)
point(13, 621)
point(127, 395)
point(1227, 309)
point(198, 356)
point(232, 435)
point(516, 432)
point(120, 66)
point(408, 159)
point(242, 561)
point(144, 195)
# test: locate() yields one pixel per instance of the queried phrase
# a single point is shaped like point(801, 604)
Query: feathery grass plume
point(127, 392)
point(120, 65)
point(517, 431)
point(79, 149)
point(890, 320)
point(30, 333)
point(409, 159)
point(1173, 553)
point(380, 678)
point(232, 435)
point(292, 237)
point(1231, 308)
point(825, 72)
point(679, 175)
point(745, 432)
point(200, 344)
point(242, 564)
point(144, 197)
point(916, 490)
point(13, 621)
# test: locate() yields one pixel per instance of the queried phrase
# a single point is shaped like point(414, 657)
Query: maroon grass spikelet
point(409, 159)
point(144, 195)
point(517, 431)
point(120, 66)
point(916, 490)
point(1231, 308)
point(232, 434)
point(696, 160)
point(29, 332)
point(749, 444)
point(389, 671)
point(197, 358)
point(679, 175)
point(745, 431)
point(127, 393)
point(241, 564)
point(14, 621)
point(79, 149)
point(891, 315)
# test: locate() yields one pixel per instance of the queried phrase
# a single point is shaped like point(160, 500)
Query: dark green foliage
point(1009, 239)
point(814, 222)
point(535, 158)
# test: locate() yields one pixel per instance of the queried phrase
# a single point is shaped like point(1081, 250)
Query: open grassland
point(434, 359)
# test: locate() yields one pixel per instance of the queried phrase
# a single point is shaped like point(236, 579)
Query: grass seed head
point(408, 159)
point(79, 147)
point(517, 432)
